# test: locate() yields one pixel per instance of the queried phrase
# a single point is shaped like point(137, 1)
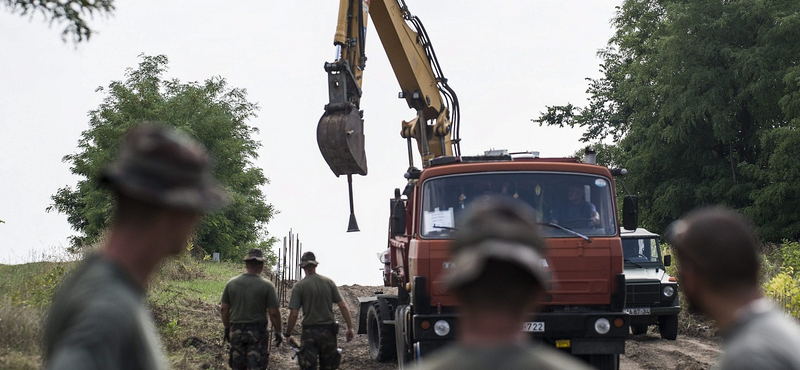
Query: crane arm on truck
point(340, 132)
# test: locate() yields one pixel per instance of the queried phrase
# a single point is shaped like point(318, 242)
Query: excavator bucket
point(340, 136)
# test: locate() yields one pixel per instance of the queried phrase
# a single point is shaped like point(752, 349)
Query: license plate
point(638, 311)
point(533, 326)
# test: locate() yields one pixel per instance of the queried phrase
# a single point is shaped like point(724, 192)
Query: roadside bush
point(179, 268)
point(790, 254)
point(37, 290)
point(784, 289)
point(20, 327)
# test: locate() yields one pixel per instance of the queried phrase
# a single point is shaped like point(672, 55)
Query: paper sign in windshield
point(438, 220)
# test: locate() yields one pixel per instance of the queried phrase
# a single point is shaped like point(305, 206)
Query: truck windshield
point(641, 249)
point(578, 202)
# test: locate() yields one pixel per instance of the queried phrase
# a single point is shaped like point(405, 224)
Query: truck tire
point(639, 329)
point(604, 362)
point(668, 326)
point(380, 336)
point(403, 352)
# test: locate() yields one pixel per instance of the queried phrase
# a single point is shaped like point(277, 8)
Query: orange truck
point(582, 312)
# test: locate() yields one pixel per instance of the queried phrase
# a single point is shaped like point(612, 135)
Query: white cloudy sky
point(505, 60)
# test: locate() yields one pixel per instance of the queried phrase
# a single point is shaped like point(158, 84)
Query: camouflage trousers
point(319, 342)
point(249, 346)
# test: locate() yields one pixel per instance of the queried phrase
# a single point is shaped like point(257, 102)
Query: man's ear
point(690, 279)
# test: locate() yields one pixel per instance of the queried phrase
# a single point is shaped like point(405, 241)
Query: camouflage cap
point(497, 228)
point(308, 258)
point(255, 254)
point(162, 165)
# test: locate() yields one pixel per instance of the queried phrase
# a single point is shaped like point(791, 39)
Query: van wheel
point(668, 326)
point(380, 336)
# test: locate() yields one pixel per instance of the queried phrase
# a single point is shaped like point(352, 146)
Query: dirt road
point(644, 352)
point(650, 352)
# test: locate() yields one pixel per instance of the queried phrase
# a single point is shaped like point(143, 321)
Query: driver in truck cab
point(498, 277)
point(576, 211)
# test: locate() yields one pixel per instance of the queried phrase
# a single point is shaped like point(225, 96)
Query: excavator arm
point(340, 132)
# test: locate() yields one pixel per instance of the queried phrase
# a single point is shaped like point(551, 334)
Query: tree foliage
point(702, 98)
point(73, 12)
point(214, 114)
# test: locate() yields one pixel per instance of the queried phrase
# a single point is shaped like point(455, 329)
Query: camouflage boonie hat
point(255, 254)
point(308, 258)
point(497, 228)
point(161, 165)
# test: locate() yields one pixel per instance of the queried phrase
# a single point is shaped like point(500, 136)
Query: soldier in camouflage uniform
point(99, 319)
point(245, 302)
point(316, 294)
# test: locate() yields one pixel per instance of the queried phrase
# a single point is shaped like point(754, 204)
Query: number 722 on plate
point(533, 326)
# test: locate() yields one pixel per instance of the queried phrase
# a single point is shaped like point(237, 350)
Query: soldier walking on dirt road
point(245, 302)
point(316, 295)
point(497, 278)
point(718, 270)
point(99, 319)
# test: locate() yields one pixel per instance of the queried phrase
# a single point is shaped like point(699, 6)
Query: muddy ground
point(694, 351)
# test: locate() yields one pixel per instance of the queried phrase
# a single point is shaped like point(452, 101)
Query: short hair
point(721, 245)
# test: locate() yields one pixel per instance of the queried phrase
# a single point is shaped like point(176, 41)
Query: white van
point(652, 295)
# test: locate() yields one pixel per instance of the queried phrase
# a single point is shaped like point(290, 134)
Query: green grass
point(190, 279)
point(183, 295)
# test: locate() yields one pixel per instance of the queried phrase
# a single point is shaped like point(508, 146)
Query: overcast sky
point(505, 60)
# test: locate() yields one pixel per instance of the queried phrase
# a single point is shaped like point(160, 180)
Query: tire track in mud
point(650, 352)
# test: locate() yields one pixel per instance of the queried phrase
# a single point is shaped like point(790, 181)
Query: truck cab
point(652, 294)
point(582, 310)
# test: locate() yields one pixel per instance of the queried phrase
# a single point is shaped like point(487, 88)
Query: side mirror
point(667, 260)
point(397, 220)
point(630, 212)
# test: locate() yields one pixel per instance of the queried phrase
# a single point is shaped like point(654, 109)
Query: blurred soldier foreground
point(498, 276)
point(245, 302)
point(316, 294)
point(162, 184)
point(718, 270)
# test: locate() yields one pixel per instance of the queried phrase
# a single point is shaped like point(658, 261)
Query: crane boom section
point(340, 130)
point(407, 56)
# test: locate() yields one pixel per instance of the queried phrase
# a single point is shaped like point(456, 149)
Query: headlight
point(602, 325)
point(441, 328)
point(668, 291)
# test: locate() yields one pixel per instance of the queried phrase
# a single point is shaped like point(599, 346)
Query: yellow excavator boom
point(340, 132)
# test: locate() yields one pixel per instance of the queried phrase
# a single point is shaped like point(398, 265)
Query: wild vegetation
point(72, 12)
point(780, 280)
point(215, 114)
point(699, 101)
point(184, 299)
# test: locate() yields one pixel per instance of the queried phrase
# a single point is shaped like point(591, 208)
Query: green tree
point(702, 98)
point(214, 114)
point(73, 12)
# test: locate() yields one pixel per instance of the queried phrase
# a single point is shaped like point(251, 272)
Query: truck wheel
point(668, 326)
point(604, 362)
point(638, 329)
point(379, 336)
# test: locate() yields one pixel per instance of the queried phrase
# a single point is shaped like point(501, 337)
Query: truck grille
point(642, 294)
